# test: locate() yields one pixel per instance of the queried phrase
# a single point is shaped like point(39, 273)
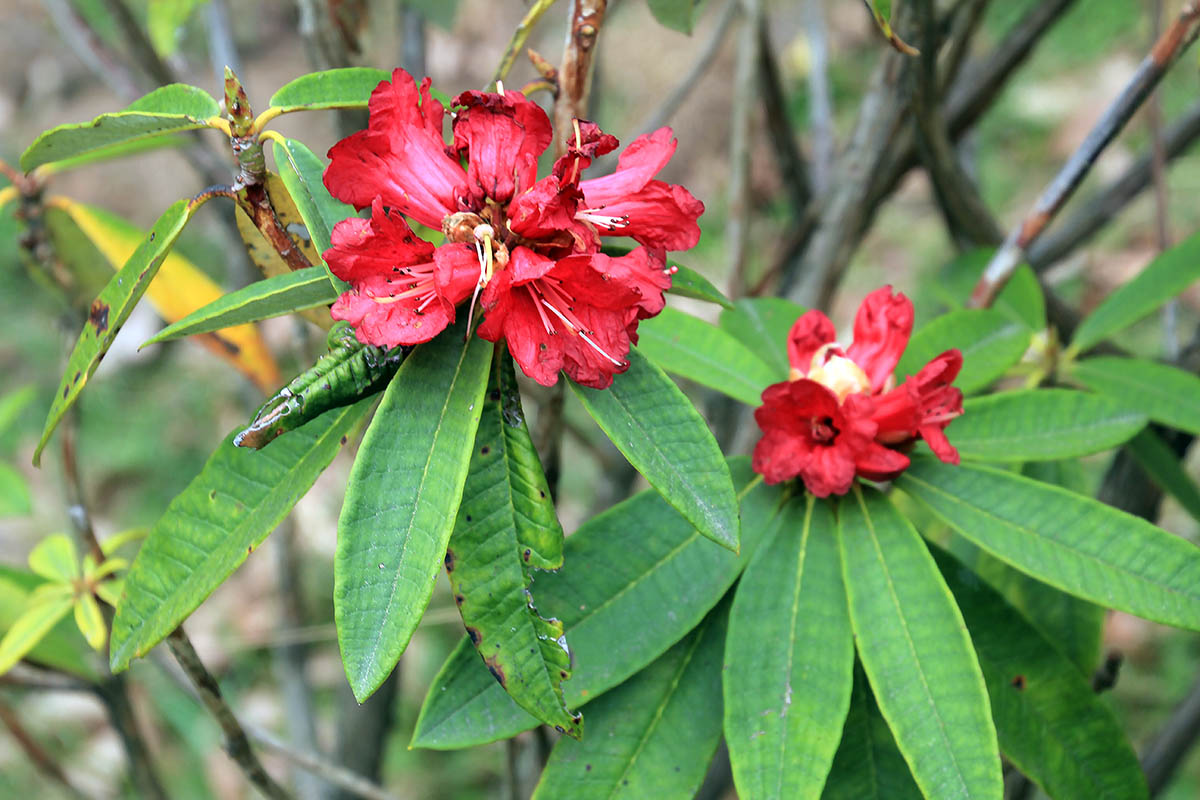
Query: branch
point(36, 753)
point(674, 100)
point(584, 19)
point(519, 37)
point(1061, 240)
point(319, 766)
point(412, 42)
point(236, 744)
point(820, 96)
point(1167, 749)
point(139, 44)
point(967, 216)
point(745, 70)
point(1168, 47)
point(363, 727)
point(793, 170)
point(91, 49)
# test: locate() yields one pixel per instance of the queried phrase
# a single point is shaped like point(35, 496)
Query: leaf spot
point(98, 316)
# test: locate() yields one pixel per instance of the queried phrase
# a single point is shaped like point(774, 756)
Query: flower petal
point(380, 246)
point(400, 157)
point(809, 333)
point(659, 215)
point(640, 161)
point(590, 143)
point(881, 330)
point(502, 136)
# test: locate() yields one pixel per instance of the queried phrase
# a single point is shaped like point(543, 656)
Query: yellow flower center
point(838, 374)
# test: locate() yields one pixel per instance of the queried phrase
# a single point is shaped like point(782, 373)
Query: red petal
point(659, 215)
point(378, 247)
point(500, 135)
point(547, 210)
point(878, 463)
point(779, 456)
point(390, 324)
point(525, 265)
point(829, 470)
point(809, 333)
point(881, 330)
point(456, 271)
point(640, 162)
point(592, 143)
point(401, 157)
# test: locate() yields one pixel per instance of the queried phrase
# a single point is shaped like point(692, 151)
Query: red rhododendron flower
point(840, 414)
point(528, 248)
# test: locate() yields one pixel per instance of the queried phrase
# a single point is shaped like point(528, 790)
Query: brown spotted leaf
point(109, 311)
point(506, 526)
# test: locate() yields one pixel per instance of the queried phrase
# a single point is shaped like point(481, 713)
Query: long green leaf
point(1049, 721)
point(763, 324)
point(506, 526)
point(990, 343)
point(349, 87)
point(1163, 278)
point(301, 171)
point(652, 736)
point(270, 297)
point(110, 310)
point(1067, 540)
point(1042, 425)
point(789, 659)
point(636, 579)
point(215, 523)
point(37, 620)
point(168, 109)
point(687, 282)
point(1164, 393)
point(1163, 467)
point(916, 653)
point(868, 765)
point(694, 349)
point(401, 502)
point(662, 435)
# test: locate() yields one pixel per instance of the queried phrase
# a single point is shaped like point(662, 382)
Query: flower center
point(822, 429)
point(836, 373)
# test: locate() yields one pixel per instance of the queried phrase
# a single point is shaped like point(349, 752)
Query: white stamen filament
point(582, 335)
point(483, 251)
point(603, 220)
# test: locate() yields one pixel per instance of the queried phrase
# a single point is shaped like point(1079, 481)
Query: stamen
point(582, 335)
point(578, 146)
point(500, 87)
point(483, 251)
point(603, 220)
point(537, 305)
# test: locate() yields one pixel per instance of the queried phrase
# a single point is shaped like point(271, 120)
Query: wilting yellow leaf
point(179, 289)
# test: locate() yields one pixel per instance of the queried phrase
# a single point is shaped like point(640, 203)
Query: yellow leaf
point(29, 629)
point(90, 621)
point(179, 289)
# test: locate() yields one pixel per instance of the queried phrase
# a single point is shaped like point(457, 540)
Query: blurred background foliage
point(150, 418)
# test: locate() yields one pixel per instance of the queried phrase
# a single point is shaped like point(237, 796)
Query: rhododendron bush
point(858, 559)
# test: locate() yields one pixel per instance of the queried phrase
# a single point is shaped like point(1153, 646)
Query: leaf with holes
point(506, 527)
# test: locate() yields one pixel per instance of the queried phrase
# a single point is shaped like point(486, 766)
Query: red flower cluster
point(531, 247)
point(840, 414)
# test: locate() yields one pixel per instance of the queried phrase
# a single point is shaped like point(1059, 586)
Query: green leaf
point(789, 659)
point(1022, 299)
point(173, 108)
point(868, 765)
point(1163, 467)
point(1066, 540)
point(62, 648)
point(652, 736)
point(55, 559)
point(687, 282)
point(1041, 425)
point(15, 500)
point(636, 579)
point(664, 437)
point(270, 297)
point(916, 652)
point(219, 519)
point(1163, 278)
point(349, 87)
point(110, 310)
point(27, 631)
point(506, 526)
point(1164, 393)
point(301, 171)
point(1049, 721)
point(694, 349)
point(990, 343)
point(13, 403)
point(763, 325)
point(678, 15)
point(401, 502)
point(1076, 627)
point(164, 21)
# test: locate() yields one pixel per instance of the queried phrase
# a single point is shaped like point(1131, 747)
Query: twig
point(1169, 46)
point(319, 766)
point(28, 677)
point(222, 49)
point(519, 37)
point(820, 96)
point(745, 70)
point(967, 216)
point(1062, 239)
point(584, 18)
point(1158, 163)
point(793, 170)
point(236, 744)
point(36, 753)
point(674, 100)
point(363, 728)
point(412, 41)
point(1166, 750)
point(291, 658)
point(139, 44)
point(967, 17)
point(91, 50)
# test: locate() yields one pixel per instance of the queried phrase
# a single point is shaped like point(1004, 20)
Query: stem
point(737, 227)
point(236, 743)
point(139, 44)
point(319, 766)
point(1169, 46)
point(519, 37)
point(820, 107)
point(36, 753)
point(584, 19)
